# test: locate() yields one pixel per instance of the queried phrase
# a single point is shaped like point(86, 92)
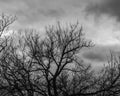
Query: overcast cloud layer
point(100, 19)
point(111, 7)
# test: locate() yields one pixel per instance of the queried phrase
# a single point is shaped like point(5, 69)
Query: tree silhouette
point(51, 65)
point(56, 53)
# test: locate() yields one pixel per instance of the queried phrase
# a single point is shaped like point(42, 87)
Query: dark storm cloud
point(101, 53)
point(38, 11)
point(92, 56)
point(32, 11)
point(111, 7)
point(38, 15)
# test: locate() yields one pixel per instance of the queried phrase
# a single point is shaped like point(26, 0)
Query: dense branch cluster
point(51, 66)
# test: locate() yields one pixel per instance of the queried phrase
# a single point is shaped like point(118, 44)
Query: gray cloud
point(100, 54)
point(39, 11)
point(34, 11)
point(110, 7)
point(94, 57)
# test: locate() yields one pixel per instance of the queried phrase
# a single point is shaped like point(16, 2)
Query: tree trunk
point(55, 87)
point(30, 93)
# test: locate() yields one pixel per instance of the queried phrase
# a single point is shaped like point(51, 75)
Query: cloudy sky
point(100, 20)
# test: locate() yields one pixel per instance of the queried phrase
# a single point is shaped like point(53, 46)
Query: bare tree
point(60, 69)
point(5, 22)
point(56, 53)
point(51, 66)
